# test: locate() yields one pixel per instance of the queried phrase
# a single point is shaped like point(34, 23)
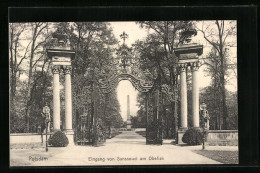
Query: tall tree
point(15, 61)
point(38, 34)
point(220, 35)
point(27, 54)
point(112, 115)
point(15, 33)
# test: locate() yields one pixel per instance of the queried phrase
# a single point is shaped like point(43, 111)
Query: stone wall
point(222, 137)
point(16, 138)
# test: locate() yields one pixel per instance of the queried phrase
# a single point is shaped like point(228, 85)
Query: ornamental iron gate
point(127, 67)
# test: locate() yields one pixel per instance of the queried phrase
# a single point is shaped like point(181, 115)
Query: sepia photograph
point(123, 93)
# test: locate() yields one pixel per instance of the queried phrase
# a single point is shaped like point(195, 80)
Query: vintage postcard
point(123, 93)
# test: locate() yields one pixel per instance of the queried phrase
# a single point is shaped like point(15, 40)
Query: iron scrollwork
point(125, 67)
point(171, 94)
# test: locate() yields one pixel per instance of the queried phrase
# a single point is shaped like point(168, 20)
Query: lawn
point(226, 157)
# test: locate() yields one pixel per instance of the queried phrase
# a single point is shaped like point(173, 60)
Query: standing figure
point(204, 116)
point(46, 114)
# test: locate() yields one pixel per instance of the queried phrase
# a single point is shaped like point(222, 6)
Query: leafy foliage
point(58, 139)
point(221, 35)
point(27, 58)
point(139, 121)
point(193, 136)
point(214, 106)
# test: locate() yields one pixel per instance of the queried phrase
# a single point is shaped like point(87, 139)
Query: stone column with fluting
point(68, 105)
point(184, 107)
point(195, 94)
point(56, 98)
point(68, 99)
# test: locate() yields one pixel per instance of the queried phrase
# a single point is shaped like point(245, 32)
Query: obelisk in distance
point(128, 114)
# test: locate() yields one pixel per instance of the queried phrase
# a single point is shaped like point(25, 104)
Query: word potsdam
point(37, 158)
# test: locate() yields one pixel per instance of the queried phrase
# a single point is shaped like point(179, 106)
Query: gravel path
point(128, 148)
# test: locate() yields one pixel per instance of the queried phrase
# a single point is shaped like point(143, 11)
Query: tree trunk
point(29, 80)
point(13, 68)
point(223, 92)
point(175, 119)
point(222, 76)
point(109, 132)
point(146, 109)
point(225, 111)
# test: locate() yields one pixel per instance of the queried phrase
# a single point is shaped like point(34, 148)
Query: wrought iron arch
point(139, 84)
point(125, 66)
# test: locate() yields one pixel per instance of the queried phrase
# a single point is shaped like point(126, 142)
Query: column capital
point(182, 67)
point(67, 69)
point(55, 69)
point(195, 65)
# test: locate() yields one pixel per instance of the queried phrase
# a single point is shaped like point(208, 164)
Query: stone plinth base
point(128, 127)
point(70, 136)
point(180, 135)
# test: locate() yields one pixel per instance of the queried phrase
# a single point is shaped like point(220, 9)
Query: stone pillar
point(184, 107)
point(56, 98)
point(195, 95)
point(68, 105)
point(68, 99)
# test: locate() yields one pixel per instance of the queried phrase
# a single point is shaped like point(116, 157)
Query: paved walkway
point(128, 148)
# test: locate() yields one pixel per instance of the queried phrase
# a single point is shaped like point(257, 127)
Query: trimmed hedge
point(193, 136)
point(58, 139)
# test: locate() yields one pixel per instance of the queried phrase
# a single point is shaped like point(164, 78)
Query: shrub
point(58, 139)
point(193, 136)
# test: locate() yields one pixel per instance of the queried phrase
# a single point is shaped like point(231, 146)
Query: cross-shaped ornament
point(124, 36)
